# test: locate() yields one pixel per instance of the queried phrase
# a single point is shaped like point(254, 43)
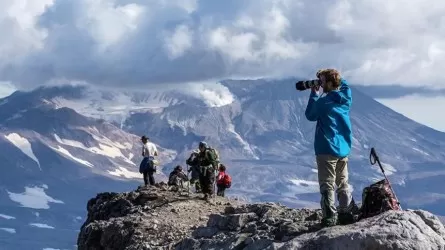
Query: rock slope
point(157, 218)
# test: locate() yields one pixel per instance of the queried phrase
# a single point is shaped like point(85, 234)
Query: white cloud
point(108, 23)
point(6, 88)
point(18, 20)
point(213, 95)
point(179, 41)
point(142, 42)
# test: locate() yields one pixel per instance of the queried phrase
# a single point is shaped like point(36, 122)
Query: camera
point(307, 84)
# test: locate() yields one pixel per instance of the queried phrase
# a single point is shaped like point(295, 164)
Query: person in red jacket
point(223, 180)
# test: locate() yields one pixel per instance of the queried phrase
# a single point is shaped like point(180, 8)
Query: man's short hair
point(331, 75)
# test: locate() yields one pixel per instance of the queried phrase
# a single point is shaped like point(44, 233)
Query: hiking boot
point(329, 222)
point(345, 218)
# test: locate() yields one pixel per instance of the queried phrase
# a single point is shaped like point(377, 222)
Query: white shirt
point(149, 149)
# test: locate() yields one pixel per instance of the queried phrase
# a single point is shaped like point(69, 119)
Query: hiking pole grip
point(376, 159)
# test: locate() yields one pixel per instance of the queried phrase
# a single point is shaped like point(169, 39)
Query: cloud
point(6, 89)
point(134, 42)
point(396, 91)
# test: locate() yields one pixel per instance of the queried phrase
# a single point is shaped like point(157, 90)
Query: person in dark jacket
point(177, 177)
point(193, 162)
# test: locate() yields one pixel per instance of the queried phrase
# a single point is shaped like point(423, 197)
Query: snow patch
point(33, 197)
point(7, 217)
point(123, 172)
point(304, 187)
point(67, 153)
point(24, 145)
point(111, 150)
point(107, 141)
point(40, 225)
point(389, 169)
point(9, 230)
point(246, 146)
point(314, 170)
point(421, 151)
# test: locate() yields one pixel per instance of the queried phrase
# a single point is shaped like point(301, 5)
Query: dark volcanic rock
point(156, 218)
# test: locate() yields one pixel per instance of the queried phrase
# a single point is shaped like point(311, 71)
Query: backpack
point(378, 198)
point(215, 155)
point(227, 180)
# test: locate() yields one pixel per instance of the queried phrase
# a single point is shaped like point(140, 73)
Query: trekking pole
point(373, 158)
point(188, 186)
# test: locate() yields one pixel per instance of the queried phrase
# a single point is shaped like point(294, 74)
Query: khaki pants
point(333, 170)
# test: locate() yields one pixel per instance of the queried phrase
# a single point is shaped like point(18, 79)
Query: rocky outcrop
point(147, 218)
point(270, 226)
point(156, 218)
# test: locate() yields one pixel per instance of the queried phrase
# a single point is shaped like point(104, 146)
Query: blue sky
point(137, 43)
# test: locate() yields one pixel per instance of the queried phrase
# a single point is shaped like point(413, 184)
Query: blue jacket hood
point(338, 96)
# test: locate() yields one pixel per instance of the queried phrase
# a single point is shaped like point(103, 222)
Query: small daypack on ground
point(227, 180)
point(378, 198)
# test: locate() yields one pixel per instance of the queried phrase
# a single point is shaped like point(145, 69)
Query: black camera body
point(307, 84)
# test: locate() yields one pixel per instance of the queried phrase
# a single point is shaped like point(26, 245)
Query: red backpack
point(227, 180)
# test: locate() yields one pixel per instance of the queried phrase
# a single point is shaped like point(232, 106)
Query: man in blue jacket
point(333, 138)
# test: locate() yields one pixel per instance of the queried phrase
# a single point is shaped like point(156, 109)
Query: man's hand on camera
point(315, 89)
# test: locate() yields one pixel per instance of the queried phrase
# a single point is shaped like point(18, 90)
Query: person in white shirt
point(147, 168)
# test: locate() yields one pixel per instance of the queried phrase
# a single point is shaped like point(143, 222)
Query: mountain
point(266, 141)
point(53, 159)
point(83, 136)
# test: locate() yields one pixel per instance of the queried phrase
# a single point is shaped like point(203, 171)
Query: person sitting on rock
point(193, 162)
point(177, 177)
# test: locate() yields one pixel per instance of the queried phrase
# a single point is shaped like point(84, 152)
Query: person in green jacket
point(332, 144)
point(208, 164)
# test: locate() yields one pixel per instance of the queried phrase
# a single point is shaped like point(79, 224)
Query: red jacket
point(220, 177)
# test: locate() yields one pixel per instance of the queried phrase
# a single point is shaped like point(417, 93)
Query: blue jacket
point(333, 133)
point(147, 165)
